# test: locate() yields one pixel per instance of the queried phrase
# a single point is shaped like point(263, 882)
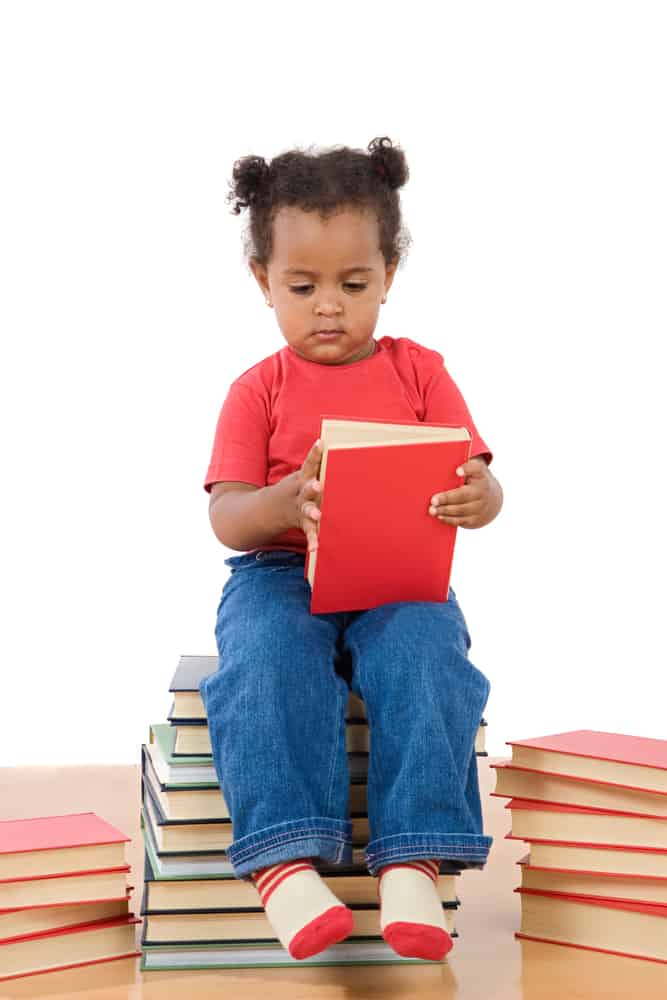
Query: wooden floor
point(487, 962)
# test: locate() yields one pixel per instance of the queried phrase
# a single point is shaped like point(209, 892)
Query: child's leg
point(276, 715)
point(424, 701)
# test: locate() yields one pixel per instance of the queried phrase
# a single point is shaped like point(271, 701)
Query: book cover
point(632, 929)
point(533, 805)
point(594, 885)
point(544, 821)
point(164, 735)
point(633, 906)
point(615, 747)
point(377, 543)
point(527, 783)
point(589, 845)
point(17, 924)
point(78, 887)
point(190, 671)
point(249, 926)
point(43, 833)
point(260, 955)
point(69, 947)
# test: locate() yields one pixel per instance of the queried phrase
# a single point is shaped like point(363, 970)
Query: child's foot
point(411, 915)
point(302, 910)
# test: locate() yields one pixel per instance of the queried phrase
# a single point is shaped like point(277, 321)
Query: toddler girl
point(325, 241)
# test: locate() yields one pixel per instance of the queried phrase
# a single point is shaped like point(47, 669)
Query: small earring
point(384, 299)
point(268, 302)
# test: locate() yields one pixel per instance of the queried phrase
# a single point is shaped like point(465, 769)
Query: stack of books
point(63, 894)
point(197, 913)
point(593, 808)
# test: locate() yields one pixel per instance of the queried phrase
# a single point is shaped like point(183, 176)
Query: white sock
point(305, 914)
point(412, 920)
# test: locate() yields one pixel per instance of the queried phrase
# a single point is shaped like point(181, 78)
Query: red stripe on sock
point(268, 879)
point(264, 876)
point(430, 868)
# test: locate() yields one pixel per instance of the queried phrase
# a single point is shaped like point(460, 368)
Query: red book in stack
point(63, 894)
point(593, 808)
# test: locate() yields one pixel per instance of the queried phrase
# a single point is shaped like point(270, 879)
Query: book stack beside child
point(593, 808)
point(63, 894)
point(197, 913)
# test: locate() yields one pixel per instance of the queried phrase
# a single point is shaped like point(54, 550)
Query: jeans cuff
point(313, 836)
point(470, 847)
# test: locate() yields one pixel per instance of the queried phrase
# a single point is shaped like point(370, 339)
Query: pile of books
point(197, 914)
point(593, 808)
point(63, 894)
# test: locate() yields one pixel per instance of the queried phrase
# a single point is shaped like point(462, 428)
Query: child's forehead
point(347, 234)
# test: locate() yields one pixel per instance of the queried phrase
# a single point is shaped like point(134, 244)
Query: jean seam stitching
point(293, 837)
point(339, 710)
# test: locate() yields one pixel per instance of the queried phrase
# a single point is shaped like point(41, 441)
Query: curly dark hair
point(323, 182)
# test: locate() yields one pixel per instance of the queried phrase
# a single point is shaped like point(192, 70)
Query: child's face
point(326, 275)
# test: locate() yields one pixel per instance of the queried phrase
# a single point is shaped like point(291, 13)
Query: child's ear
point(390, 271)
point(261, 276)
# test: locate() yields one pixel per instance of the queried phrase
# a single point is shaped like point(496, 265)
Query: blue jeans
point(276, 715)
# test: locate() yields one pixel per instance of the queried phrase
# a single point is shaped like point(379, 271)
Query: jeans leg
point(276, 715)
point(424, 701)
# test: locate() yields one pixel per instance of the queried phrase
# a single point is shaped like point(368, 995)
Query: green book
point(265, 955)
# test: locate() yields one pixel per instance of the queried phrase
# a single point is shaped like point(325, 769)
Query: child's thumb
point(315, 454)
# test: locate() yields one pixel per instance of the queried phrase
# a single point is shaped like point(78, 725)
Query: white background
point(535, 137)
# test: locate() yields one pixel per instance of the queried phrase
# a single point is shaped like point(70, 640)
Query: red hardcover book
point(85, 944)
point(593, 845)
point(551, 786)
point(105, 883)
point(59, 845)
point(21, 922)
point(628, 862)
point(595, 885)
point(47, 832)
point(563, 823)
point(633, 761)
point(377, 543)
point(631, 929)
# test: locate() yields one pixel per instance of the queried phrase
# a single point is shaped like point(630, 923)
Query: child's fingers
point(310, 509)
point(312, 461)
point(311, 536)
point(463, 494)
point(454, 512)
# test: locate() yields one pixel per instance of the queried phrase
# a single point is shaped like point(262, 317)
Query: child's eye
point(355, 286)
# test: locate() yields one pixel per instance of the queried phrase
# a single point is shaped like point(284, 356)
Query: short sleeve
point(241, 439)
point(446, 405)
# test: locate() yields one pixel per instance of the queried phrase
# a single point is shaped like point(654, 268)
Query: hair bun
point(388, 162)
point(251, 176)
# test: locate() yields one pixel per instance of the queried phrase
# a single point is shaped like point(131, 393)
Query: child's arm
point(244, 516)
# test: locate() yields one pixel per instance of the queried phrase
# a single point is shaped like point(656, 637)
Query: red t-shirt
point(272, 413)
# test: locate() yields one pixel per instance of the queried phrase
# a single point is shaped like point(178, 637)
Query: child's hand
point(304, 492)
point(472, 505)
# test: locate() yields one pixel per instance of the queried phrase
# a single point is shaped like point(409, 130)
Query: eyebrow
point(348, 270)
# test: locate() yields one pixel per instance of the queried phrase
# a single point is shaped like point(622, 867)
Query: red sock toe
point(331, 926)
point(418, 940)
